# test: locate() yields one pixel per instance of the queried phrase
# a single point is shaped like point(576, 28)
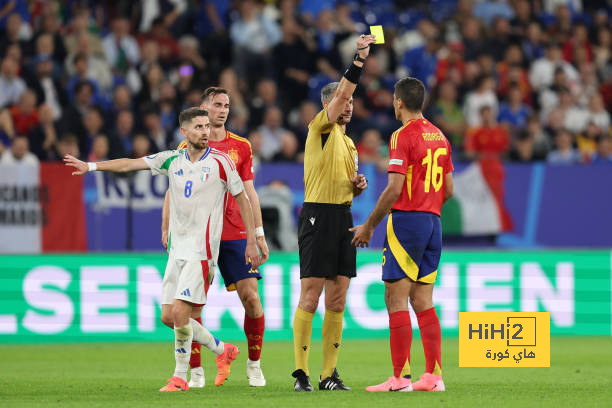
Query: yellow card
point(378, 32)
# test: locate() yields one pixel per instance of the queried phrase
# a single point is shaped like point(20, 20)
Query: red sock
point(254, 330)
point(196, 357)
point(429, 324)
point(401, 339)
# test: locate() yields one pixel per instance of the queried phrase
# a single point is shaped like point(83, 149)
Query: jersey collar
point(206, 152)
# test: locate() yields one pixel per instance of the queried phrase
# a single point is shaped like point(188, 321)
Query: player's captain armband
point(397, 162)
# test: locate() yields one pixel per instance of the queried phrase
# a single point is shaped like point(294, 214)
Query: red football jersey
point(421, 152)
point(239, 149)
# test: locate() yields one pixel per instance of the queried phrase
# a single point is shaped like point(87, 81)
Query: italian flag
point(41, 209)
point(477, 206)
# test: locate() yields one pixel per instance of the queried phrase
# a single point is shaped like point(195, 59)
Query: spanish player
point(420, 181)
point(327, 259)
point(236, 275)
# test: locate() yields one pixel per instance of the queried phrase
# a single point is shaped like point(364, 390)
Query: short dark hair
point(188, 114)
point(211, 91)
point(411, 92)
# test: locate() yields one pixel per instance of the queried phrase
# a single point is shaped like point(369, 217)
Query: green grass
point(129, 375)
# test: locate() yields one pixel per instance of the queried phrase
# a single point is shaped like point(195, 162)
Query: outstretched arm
point(363, 233)
point(114, 166)
point(252, 253)
point(346, 87)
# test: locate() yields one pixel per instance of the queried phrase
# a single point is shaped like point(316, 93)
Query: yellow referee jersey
point(330, 161)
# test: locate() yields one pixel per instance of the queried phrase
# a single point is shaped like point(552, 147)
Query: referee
point(327, 258)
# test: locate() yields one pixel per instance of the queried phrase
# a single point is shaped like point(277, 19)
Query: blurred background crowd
point(516, 80)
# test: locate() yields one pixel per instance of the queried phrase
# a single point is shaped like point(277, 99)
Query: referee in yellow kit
point(327, 258)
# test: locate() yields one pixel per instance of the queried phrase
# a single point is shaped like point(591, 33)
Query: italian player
point(236, 275)
point(420, 181)
point(199, 178)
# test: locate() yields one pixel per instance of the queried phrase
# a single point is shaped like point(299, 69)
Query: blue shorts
point(412, 247)
point(231, 263)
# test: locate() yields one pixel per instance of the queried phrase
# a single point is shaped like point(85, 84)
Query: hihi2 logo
point(504, 339)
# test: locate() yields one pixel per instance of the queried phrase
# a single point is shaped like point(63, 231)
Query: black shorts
point(324, 240)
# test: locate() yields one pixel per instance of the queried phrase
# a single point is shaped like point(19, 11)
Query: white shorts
point(186, 280)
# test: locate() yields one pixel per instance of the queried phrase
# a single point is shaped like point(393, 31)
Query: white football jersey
point(197, 200)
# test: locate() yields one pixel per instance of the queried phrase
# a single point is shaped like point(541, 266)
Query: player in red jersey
point(236, 275)
point(420, 181)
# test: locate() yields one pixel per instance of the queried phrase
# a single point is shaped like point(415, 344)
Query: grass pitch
point(129, 375)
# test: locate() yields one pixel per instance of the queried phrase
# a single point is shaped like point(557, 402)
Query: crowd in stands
point(518, 80)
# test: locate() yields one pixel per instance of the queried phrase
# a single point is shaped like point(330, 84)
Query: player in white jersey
point(199, 178)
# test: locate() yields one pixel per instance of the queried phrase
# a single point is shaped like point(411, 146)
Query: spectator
point(11, 86)
point(604, 150)
point(597, 112)
point(43, 136)
point(99, 149)
point(189, 56)
point(421, 62)
point(540, 139)
point(372, 150)
point(256, 140)
point(97, 67)
point(500, 37)
point(93, 124)
point(82, 73)
point(308, 110)
point(24, 115)
point(265, 98)
point(483, 95)
point(49, 89)
point(73, 115)
point(489, 140)
point(120, 48)
point(151, 88)
point(272, 132)
point(579, 39)
point(80, 33)
point(68, 144)
point(473, 35)
point(542, 70)
point(513, 112)
point(446, 114)
point(168, 106)
point(154, 129)
point(50, 26)
point(522, 147)
point(293, 63)
point(288, 151)
point(532, 45)
point(165, 42)
point(19, 152)
point(142, 146)
point(587, 141)
point(15, 32)
point(510, 70)
point(122, 100)
point(254, 35)
point(550, 97)
point(564, 153)
point(120, 143)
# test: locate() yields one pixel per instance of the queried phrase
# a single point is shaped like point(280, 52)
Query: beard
point(197, 145)
point(342, 120)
